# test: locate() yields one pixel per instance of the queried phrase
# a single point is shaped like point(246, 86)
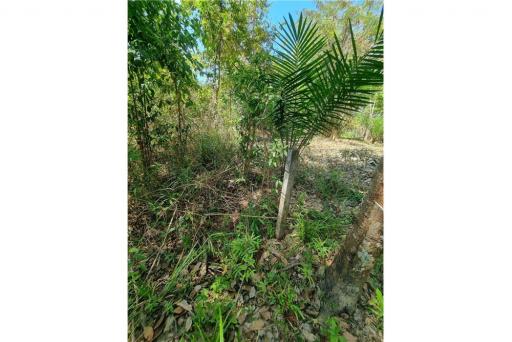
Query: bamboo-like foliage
point(318, 86)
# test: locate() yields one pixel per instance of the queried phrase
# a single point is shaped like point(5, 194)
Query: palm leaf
point(319, 87)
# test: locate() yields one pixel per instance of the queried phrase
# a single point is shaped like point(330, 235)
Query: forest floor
point(207, 268)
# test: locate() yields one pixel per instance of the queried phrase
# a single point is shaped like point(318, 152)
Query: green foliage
point(368, 124)
point(220, 284)
point(183, 263)
point(377, 308)
point(241, 256)
point(332, 331)
point(323, 247)
point(377, 128)
point(253, 93)
point(212, 320)
point(377, 276)
point(332, 187)
point(318, 88)
point(306, 267)
point(279, 290)
point(161, 40)
point(214, 150)
point(255, 216)
point(277, 153)
point(312, 224)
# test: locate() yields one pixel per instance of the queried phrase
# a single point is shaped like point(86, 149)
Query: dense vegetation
point(217, 95)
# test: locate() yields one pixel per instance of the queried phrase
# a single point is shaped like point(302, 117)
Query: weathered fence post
point(286, 192)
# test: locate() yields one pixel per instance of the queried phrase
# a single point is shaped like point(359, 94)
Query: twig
point(241, 215)
point(163, 243)
point(227, 214)
point(292, 265)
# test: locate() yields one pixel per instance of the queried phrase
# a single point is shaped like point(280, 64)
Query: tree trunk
point(355, 261)
point(181, 123)
point(144, 135)
point(290, 170)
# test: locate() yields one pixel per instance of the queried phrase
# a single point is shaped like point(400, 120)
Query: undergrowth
point(197, 239)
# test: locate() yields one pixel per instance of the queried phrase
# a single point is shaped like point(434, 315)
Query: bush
point(241, 256)
point(377, 128)
point(214, 150)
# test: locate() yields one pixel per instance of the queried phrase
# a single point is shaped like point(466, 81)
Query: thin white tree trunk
point(286, 192)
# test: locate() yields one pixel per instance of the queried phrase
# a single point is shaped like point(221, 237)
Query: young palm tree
point(317, 88)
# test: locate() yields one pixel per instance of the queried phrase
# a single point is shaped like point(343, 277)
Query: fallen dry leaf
point(257, 325)
point(349, 337)
point(196, 289)
point(196, 267)
point(179, 310)
point(185, 305)
point(148, 333)
point(241, 317)
point(188, 324)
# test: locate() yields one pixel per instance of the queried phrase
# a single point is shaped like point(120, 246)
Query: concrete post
point(286, 192)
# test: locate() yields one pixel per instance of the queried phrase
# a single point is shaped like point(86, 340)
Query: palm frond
point(320, 86)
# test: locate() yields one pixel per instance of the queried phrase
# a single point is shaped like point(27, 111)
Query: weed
point(377, 308)
point(322, 247)
point(377, 128)
point(314, 224)
point(182, 264)
point(332, 331)
point(332, 186)
point(281, 292)
point(241, 256)
point(212, 320)
point(376, 277)
point(220, 284)
point(277, 154)
point(255, 216)
point(306, 268)
point(214, 150)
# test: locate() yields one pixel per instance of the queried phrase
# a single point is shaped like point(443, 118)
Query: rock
point(306, 326)
point(252, 292)
point(257, 325)
point(309, 336)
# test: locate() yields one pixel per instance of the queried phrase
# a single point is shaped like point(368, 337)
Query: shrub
point(377, 128)
point(241, 256)
point(214, 150)
point(377, 308)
